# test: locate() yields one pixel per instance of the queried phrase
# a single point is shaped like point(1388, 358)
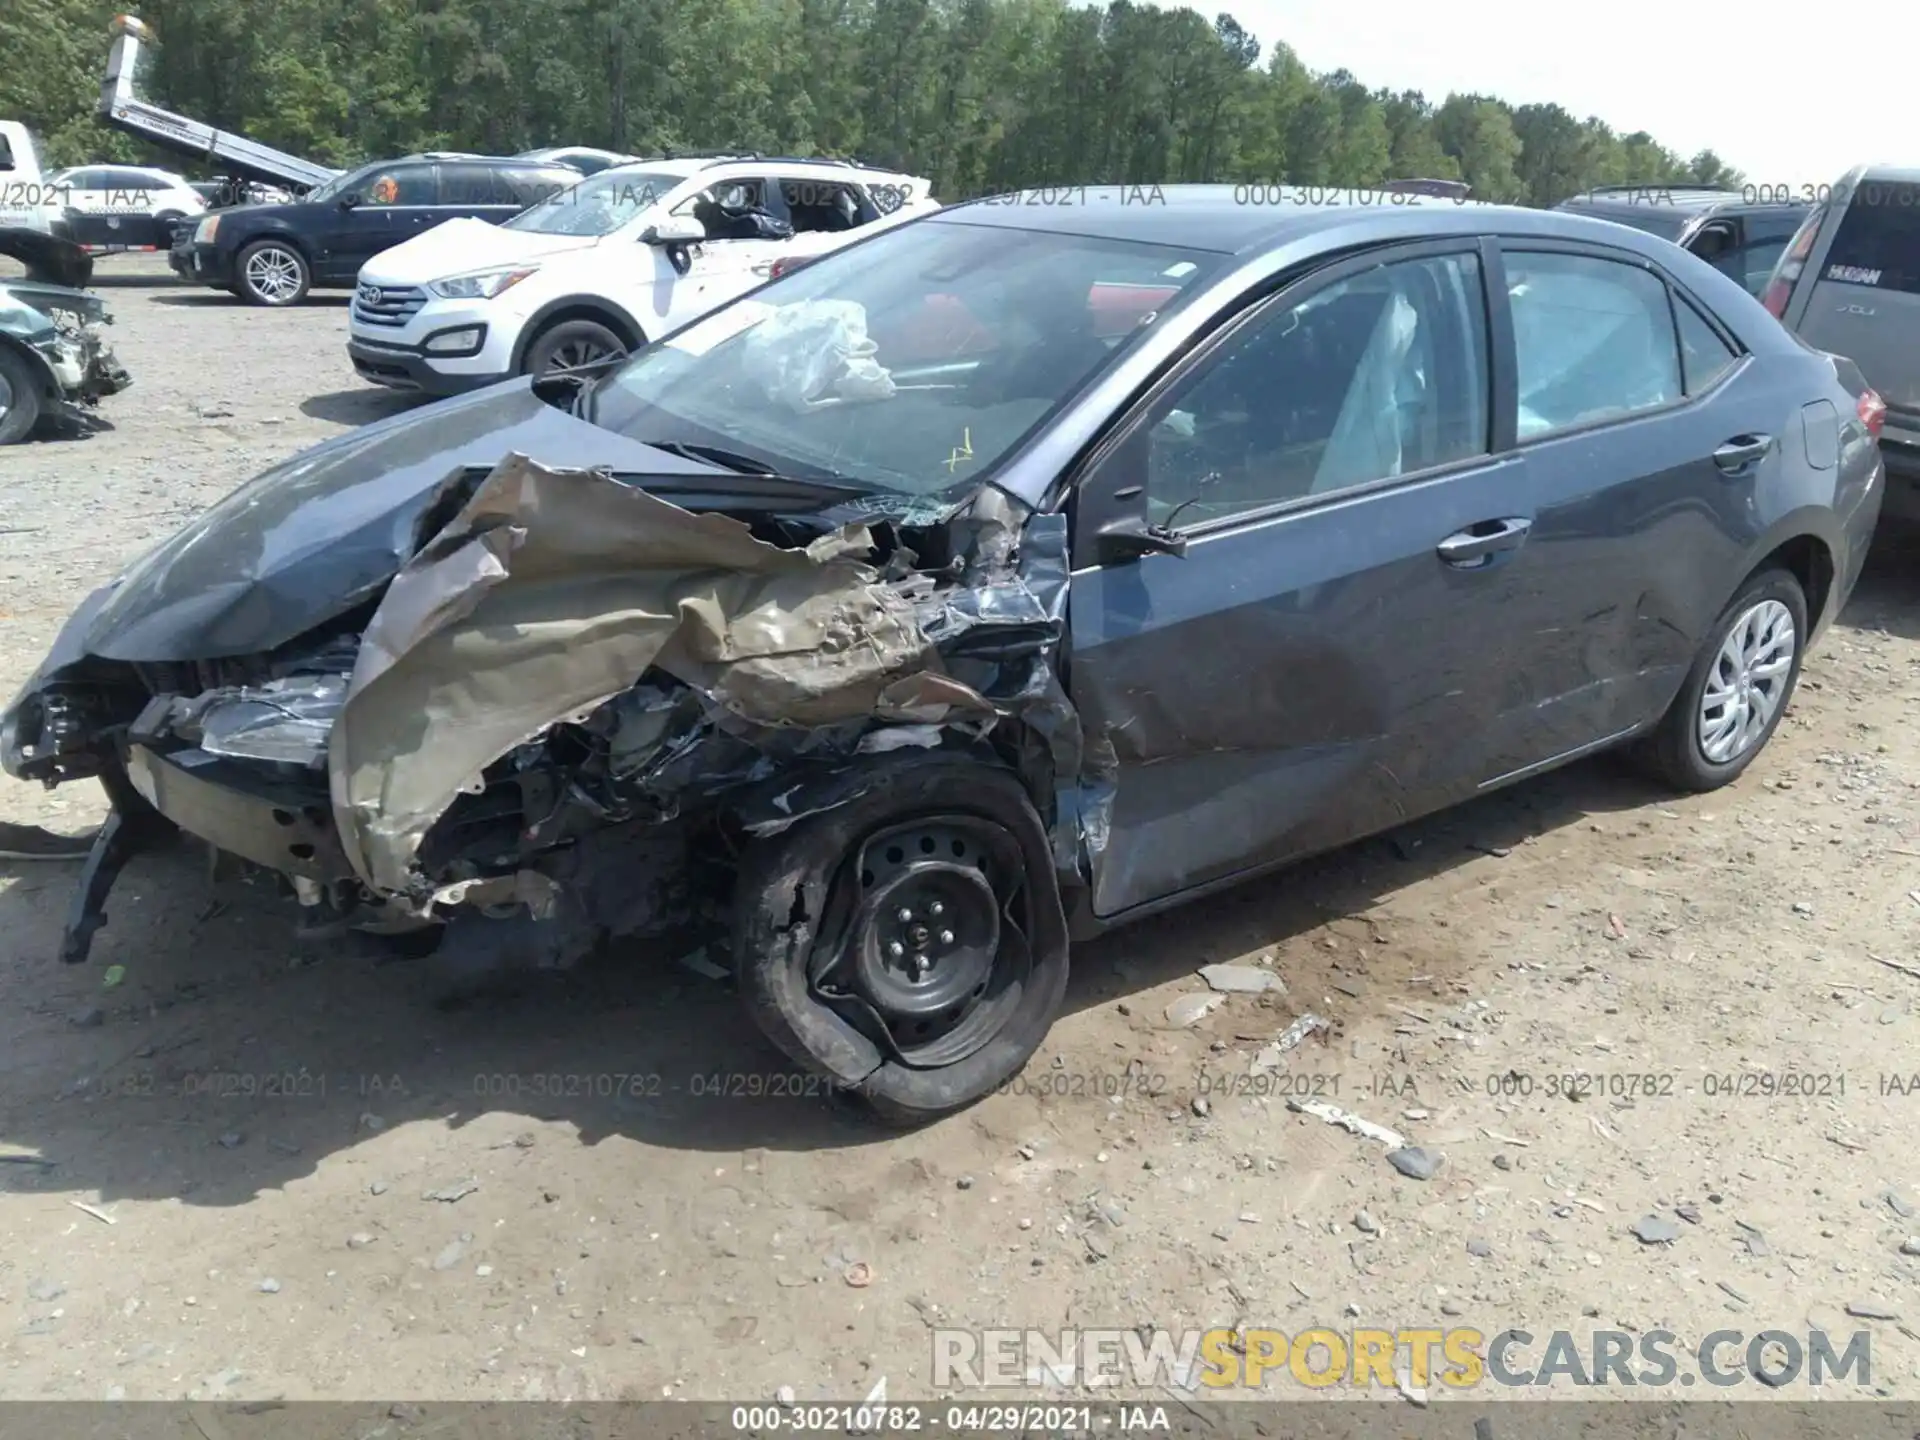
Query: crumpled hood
point(458, 247)
point(50, 260)
point(45, 298)
point(318, 533)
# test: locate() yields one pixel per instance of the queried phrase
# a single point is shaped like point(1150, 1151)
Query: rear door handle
point(1739, 453)
point(1479, 542)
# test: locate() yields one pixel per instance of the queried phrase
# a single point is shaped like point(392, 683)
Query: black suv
point(1741, 233)
point(273, 254)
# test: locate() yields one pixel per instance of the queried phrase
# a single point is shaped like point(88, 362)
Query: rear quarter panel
point(1801, 494)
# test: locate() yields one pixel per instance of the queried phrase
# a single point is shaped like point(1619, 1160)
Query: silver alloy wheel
point(1747, 683)
point(574, 356)
point(273, 274)
point(6, 395)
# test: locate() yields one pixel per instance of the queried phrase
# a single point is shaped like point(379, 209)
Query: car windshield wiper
point(714, 455)
point(742, 464)
point(754, 484)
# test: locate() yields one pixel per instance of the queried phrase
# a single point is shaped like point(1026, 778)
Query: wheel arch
point(35, 362)
point(279, 235)
point(1805, 546)
point(596, 308)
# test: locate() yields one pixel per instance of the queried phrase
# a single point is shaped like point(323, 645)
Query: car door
point(487, 192)
point(725, 263)
point(1330, 654)
point(1647, 434)
point(395, 203)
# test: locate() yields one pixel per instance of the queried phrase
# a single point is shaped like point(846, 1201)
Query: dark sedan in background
point(998, 578)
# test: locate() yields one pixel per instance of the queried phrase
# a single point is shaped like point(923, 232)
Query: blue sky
point(1790, 95)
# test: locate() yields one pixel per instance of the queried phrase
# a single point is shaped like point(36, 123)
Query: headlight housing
point(481, 285)
point(204, 231)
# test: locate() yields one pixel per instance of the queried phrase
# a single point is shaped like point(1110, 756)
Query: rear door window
point(1704, 356)
point(1878, 241)
point(471, 185)
point(1594, 340)
point(822, 205)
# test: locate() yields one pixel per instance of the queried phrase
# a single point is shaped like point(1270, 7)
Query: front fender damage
point(575, 685)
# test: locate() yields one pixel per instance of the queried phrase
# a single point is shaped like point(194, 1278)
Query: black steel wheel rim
point(930, 960)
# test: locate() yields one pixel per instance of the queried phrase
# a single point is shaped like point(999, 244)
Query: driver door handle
point(1738, 454)
point(1478, 543)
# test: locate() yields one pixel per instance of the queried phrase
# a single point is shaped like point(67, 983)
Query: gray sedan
point(1008, 575)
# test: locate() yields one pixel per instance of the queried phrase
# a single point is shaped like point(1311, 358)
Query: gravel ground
point(617, 1222)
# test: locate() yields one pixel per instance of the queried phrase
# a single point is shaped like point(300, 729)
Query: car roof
point(1247, 219)
point(552, 151)
point(1629, 198)
point(684, 167)
point(690, 165)
point(450, 157)
point(1896, 174)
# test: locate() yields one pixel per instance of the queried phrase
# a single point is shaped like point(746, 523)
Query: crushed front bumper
point(230, 805)
point(86, 368)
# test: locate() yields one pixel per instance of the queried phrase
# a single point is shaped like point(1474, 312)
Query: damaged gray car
point(991, 581)
point(54, 363)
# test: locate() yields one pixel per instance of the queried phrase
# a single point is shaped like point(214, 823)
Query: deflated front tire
point(909, 943)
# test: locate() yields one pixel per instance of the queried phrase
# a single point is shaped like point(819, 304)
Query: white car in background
point(126, 206)
point(598, 270)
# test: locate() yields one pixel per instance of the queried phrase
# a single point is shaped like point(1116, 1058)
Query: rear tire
point(907, 944)
point(20, 392)
point(1738, 689)
point(272, 273)
point(570, 346)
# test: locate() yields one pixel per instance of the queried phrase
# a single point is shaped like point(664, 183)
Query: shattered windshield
point(599, 205)
point(910, 363)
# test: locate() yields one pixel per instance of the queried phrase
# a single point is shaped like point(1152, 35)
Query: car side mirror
point(1129, 534)
point(349, 200)
point(674, 230)
point(1112, 509)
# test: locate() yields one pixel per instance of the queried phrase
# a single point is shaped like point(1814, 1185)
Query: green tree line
point(976, 95)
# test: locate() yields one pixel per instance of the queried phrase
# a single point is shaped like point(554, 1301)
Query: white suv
point(606, 266)
point(132, 207)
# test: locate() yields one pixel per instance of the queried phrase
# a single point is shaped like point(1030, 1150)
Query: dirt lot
point(632, 1236)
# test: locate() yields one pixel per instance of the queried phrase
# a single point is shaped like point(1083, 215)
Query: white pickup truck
point(29, 199)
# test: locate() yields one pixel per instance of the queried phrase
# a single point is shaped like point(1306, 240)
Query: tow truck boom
point(232, 154)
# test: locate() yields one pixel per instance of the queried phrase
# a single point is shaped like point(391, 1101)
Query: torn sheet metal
point(1001, 633)
point(552, 591)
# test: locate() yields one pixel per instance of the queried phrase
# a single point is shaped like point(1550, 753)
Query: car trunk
point(1865, 302)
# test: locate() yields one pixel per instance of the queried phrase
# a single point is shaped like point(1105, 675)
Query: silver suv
point(1849, 284)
